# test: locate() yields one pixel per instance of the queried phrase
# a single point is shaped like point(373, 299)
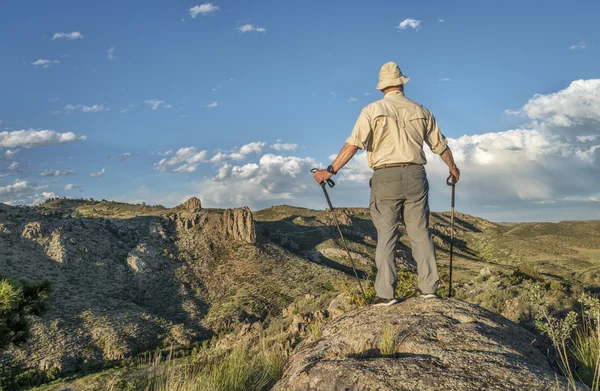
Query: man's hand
point(455, 172)
point(321, 176)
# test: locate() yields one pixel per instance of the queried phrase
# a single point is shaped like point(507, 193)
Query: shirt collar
point(394, 93)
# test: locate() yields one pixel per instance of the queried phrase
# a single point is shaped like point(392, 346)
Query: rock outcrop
point(239, 224)
point(420, 345)
point(193, 205)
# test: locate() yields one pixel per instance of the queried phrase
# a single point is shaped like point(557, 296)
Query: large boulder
point(420, 345)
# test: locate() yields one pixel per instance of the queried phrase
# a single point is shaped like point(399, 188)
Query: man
point(393, 130)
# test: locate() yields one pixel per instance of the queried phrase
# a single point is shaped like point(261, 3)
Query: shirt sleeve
point(434, 137)
point(362, 131)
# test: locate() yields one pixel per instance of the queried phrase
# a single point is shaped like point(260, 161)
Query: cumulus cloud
point(186, 159)
point(409, 23)
point(69, 36)
point(44, 63)
point(578, 45)
point(23, 192)
point(274, 178)
point(203, 9)
point(98, 174)
point(111, 53)
point(212, 105)
point(50, 173)
point(352, 99)
point(36, 138)
point(248, 28)
point(575, 106)
point(284, 147)
point(156, 104)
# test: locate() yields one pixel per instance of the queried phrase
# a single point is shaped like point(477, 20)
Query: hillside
point(126, 279)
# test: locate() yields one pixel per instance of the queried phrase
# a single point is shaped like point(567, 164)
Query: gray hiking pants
point(402, 192)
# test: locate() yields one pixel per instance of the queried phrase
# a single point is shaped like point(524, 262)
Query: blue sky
point(119, 86)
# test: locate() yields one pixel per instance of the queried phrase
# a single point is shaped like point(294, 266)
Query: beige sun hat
point(390, 75)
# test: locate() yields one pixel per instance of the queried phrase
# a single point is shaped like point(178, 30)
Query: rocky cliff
point(124, 278)
point(420, 345)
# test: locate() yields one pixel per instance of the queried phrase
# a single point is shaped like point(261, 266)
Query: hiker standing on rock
point(392, 131)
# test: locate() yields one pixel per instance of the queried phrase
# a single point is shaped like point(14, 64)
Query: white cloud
point(92, 109)
point(574, 106)
point(84, 109)
point(203, 9)
point(444, 80)
point(274, 178)
point(440, 20)
point(70, 187)
point(409, 23)
point(36, 138)
point(578, 45)
point(14, 166)
point(155, 104)
point(23, 192)
point(284, 147)
point(123, 156)
point(111, 53)
point(124, 110)
point(587, 138)
point(68, 36)
point(352, 99)
point(248, 28)
point(212, 105)
point(10, 153)
point(98, 174)
point(48, 173)
point(186, 158)
point(43, 63)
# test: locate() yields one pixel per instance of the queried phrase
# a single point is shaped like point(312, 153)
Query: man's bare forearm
point(347, 152)
point(448, 158)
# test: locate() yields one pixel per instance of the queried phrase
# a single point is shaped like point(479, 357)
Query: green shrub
point(17, 300)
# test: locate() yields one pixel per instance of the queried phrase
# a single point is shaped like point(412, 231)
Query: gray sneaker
point(429, 296)
point(380, 302)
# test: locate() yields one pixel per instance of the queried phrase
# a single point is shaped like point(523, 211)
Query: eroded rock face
point(239, 224)
point(193, 205)
point(440, 345)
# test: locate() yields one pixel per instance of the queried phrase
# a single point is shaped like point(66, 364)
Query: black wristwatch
point(331, 170)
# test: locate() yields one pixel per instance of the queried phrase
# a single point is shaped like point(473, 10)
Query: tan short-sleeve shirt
point(393, 130)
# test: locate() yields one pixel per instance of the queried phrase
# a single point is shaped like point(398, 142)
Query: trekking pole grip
point(329, 181)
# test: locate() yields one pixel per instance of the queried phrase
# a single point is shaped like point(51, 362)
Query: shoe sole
point(391, 302)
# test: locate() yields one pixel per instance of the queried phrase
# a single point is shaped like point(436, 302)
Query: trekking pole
point(451, 181)
point(337, 224)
